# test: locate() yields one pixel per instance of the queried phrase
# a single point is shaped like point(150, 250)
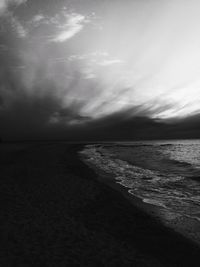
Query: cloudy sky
point(99, 68)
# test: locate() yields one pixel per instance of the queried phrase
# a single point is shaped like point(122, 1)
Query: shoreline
point(184, 225)
point(151, 211)
point(56, 213)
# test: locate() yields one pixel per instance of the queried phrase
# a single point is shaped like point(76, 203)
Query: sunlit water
point(165, 174)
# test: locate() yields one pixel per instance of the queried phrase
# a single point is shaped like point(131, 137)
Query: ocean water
point(161, 173)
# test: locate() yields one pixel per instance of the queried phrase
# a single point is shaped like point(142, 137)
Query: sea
point(165, 174)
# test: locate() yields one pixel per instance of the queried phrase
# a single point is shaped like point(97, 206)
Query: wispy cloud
point(4, 4)
point(74, 24)
point(99, 58)
point(20, 30)
point(60, 27)
point(92, 64)
point(91, 56)
point(37, 20)
point(43, 19)
point(38, 17)
point(108, 62)
point(10, 18)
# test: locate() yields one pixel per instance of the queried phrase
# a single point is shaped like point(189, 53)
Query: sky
point(99, 69)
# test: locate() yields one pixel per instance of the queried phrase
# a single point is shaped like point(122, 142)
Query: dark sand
point(54, 213)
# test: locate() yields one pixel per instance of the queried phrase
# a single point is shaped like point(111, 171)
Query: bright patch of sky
point(113, 55)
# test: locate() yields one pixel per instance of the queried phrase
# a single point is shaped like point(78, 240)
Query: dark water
point(165, 174)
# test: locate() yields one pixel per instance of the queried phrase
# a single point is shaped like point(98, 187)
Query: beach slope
point(55, 213)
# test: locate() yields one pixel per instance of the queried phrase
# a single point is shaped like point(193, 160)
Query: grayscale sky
point(73, 68)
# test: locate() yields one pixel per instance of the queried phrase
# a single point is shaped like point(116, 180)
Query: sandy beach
point(55, 213)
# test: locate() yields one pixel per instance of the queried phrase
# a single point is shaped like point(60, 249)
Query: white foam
point(168, 191)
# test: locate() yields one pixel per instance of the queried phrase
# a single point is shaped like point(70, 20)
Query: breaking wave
point(163, 175)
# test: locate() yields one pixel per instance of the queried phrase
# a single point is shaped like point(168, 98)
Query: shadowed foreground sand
point(53, 213)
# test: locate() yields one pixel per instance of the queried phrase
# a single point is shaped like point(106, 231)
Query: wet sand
point(187, 226)
point(55, 213)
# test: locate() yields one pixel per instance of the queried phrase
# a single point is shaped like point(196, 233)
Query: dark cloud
point(26, 118)
point(29, 119)
point(122, 126)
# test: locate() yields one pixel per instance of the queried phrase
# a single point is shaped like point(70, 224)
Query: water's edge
point(187, 226)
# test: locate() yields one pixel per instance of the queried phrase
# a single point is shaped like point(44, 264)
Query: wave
point(170, 191)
